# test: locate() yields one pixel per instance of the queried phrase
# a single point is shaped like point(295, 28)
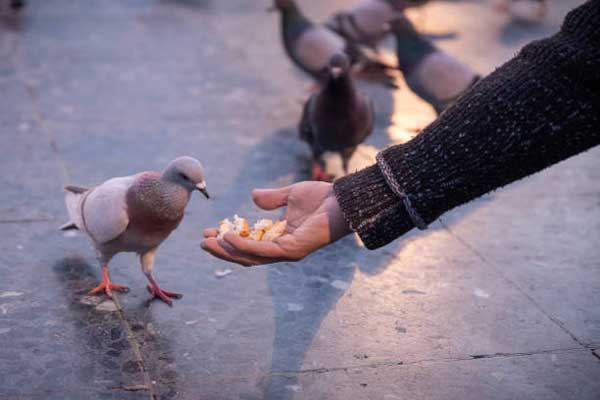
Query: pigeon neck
point(411, 49)
point(292, 17)
point(158, 199)
point(341, 86)
point(173, 198)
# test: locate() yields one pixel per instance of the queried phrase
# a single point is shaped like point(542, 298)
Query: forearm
point(539, 108)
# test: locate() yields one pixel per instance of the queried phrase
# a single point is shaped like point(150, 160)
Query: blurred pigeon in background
point(311, 46)
point(530, 11)
point(17, 4)
point(432, 74)
point(134, 214)
point(335, 121)
point(367, 23)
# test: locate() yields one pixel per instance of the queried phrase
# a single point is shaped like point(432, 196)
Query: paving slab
point(530, 234)
point(495, 301)
point(566, 375)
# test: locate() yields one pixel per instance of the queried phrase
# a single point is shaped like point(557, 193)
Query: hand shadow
point(12, 20)
point(304, 293)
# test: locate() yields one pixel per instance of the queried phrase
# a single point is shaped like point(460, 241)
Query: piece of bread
point(276, 231)
point(260, 228)
point(242, 228)
point(263, 229)
point(224, 227)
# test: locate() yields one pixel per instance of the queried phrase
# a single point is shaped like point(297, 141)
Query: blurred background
point(498, 300)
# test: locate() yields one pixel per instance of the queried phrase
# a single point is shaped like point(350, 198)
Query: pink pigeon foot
point(157, 292)
point(107, 286)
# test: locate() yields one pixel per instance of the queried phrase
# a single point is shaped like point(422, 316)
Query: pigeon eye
point(184, 176)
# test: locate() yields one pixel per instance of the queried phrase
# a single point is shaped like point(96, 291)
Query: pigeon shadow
point(112, 340)
point(12, 20)
point(441, 36)
point(199, 4)
point(517, 31)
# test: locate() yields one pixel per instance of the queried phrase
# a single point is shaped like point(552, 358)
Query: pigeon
point(311, 46)
point(432, 74)
point(17, 4)
point(335, 121)
point(134, 214)
point(367, 23)
point(529, 11)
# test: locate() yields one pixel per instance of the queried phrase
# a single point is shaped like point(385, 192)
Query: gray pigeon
point(17, 4)
point(335, 121)
point(134, 214)
point(311, 46)
point(432, 74)
point(367, 23)
point(528, 11)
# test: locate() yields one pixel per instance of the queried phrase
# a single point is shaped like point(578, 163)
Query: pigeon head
point(283, 5)
point(188, 173)
point(401, 5)
point(339, 65)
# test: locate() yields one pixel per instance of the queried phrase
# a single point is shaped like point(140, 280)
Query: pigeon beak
point(202, 188)
point(336, 72)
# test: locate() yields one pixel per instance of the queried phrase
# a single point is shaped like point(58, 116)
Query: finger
point(225, 252)
point(264, 249)
point(211, 232)
point(270, 199)
point(213, 246)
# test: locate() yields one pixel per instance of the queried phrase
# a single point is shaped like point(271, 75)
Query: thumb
point(270, 199)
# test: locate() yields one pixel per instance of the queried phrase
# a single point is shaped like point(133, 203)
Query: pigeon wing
point(316, 46)
point(305, 128)
point(105, 213)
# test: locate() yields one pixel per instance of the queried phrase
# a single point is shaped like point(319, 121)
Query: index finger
point(221, 250)
point(211, 232)
point(264, 249)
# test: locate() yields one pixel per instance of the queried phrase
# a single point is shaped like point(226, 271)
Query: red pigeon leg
point(107, 286)
point(157, 292)
point(318, 174)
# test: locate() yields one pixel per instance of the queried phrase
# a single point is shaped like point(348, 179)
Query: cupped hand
point(314, 219)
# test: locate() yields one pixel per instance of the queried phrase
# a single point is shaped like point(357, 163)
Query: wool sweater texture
point(539, 108)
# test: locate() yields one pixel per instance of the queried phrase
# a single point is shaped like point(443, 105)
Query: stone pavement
point(499, 300)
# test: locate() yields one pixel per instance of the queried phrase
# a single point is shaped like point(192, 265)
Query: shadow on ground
point(114, 341)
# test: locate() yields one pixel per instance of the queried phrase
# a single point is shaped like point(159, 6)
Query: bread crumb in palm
point(263, 229)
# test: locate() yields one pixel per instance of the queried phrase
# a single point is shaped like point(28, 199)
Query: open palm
point(314, 220)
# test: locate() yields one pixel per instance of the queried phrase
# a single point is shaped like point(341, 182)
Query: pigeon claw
point(107, 286)
point(157, 292)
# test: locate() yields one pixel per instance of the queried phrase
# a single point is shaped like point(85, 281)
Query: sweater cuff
point(371, 208)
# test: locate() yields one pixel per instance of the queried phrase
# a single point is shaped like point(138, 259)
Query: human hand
point(314, 219)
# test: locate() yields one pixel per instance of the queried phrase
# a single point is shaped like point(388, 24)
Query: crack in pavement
point(512, 283)
point(137, 352)
point(64, 176)
point(26, 220)
point(19, 61)
point(424, 361)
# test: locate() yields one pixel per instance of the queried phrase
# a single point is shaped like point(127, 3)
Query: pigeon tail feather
point(68, 226)
point(73, 199)
point(76, 189)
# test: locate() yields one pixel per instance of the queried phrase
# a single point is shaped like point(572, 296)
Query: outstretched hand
point(314, 220)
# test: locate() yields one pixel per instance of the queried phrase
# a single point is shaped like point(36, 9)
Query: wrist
point(371, 208)
point(338, 225)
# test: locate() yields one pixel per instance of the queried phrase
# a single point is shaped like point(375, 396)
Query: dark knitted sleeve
point(541, 107)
